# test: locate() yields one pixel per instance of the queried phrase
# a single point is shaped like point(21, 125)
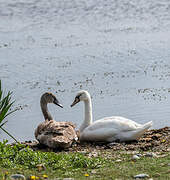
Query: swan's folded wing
point(116, 123)
point(110, 129)
point(99, 134)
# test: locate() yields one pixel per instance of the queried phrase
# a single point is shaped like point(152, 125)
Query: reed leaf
point(5, 105)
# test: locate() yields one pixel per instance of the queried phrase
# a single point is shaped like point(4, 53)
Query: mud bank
point(153, 140)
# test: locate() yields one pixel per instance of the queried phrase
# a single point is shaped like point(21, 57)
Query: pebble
point(135, 157)
point(93, 171)
point(157, 175)
point(112, 144)
point(141, 176)
point(94, 154)
point(17, 177)
point(40, 167)
point(150, 154)
point(118, 160)
point(140, 155)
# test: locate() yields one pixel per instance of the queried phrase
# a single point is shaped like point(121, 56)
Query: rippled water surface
point(117, 50)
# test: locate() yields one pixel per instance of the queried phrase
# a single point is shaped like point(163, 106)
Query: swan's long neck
point(88, 118)
point(44, 108)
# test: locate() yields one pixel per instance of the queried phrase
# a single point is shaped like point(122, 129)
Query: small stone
point(17, 177)
point(162, 164)
point(157, 174)
point(83, 152)
point(94, 154)
point(135, 157)
point(150, 154)
point(141, 176)
point(112, 144)
point(140, 155)
point(118, 160)
point(40, 167)
point(93, 171)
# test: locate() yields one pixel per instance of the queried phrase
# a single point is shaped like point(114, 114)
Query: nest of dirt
point(154, 140)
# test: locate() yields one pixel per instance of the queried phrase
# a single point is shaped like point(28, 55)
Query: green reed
point(5, 109)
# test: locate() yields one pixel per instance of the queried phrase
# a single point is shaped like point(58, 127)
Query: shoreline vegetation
point(149, 158)
point(5, 109)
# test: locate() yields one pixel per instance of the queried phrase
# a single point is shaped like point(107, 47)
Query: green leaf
point(5, 105)
point(3, 123)
point(9, 134)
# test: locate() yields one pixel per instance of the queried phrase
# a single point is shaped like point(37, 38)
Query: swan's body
point(107, 129)
point(51, 133)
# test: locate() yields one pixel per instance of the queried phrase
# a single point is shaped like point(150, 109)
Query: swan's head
point(50, 98)
point(81, 96)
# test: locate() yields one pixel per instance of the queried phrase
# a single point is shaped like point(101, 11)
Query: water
point(117, 50)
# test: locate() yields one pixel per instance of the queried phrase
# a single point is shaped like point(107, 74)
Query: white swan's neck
point(88, 114)
point(44, 108)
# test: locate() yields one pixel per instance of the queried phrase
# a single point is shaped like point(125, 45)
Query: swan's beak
point(75, 102)
point(57, 103)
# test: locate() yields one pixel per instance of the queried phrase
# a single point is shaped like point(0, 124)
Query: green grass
point(20, 159)
point(157, 168)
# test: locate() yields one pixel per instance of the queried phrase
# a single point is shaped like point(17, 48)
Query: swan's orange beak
point(57, 103)
point(75, 102)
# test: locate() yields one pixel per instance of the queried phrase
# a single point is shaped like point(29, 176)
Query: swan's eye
point(77, 98)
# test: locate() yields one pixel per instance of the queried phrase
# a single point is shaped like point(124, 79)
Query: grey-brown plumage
point(52, 133)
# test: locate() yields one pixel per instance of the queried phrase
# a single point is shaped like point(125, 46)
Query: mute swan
point(51, 133)
point(107, 129)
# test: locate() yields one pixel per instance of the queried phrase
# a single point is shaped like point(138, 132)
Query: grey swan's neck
point(44, 108)
point(88, 118)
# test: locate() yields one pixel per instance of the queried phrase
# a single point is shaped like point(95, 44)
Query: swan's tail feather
point(143, 129)
point(147, 125)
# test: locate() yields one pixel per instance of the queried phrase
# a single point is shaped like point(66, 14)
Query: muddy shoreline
point(157, 140)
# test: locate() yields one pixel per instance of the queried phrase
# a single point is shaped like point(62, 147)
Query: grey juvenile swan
point(107, 129)
point(50, 132)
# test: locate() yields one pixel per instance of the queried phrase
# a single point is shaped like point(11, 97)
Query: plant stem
point(9, 134)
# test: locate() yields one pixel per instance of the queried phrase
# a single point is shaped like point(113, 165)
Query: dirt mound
point(155, 140)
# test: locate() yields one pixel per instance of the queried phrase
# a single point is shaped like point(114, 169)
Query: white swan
point(50, 132)
point(107, 129)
